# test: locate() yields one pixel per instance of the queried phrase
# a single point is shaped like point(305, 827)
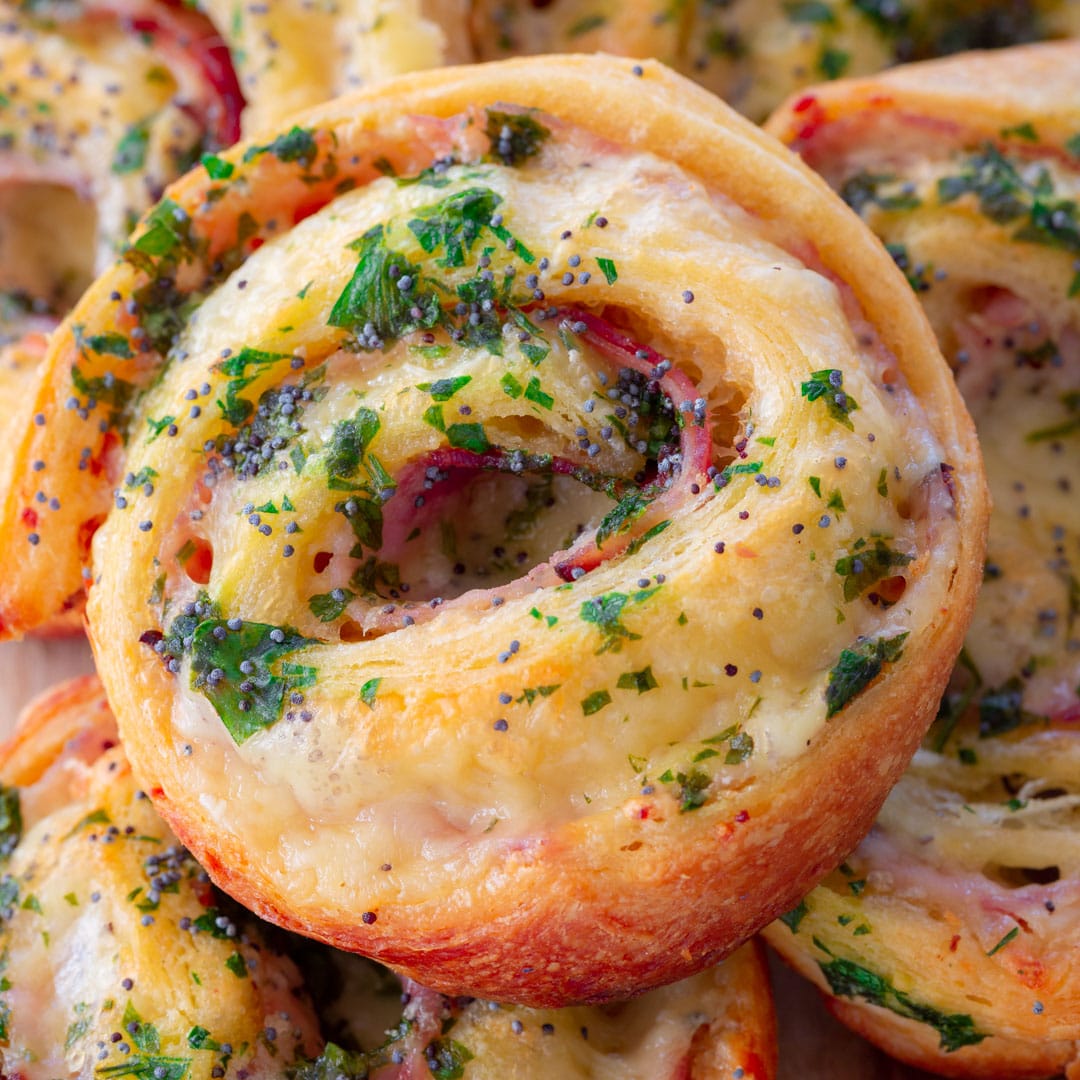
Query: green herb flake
point(511, 387)
point(849, 979)
point(1025, 131)
point(827, 385)
point(326, 607)
point(621, 517)
point(514, 137)
point(468, 437)
point(639, 542)
point(809, 11)
point(261, 647)
point(609, 270)
point(158, 426)
point(297, 144)
point(605, 613)
point(217, 168)
point(446, 1059)
point(455, 224)
point(692, 788)
point(596, 701)
point(237, 965)
point(373, 305)
point(740, 748)
point(832, 63)
point(444, 389)
point(108, 344)
point(585, 25)
point(1010, 936)
point(641, 681)
point(791, 919)
point(533, 392)
point(867, 565)
point(130, 154)
point(11, 822)
point(166, 239)
point(198, 1038)
point(857, 667)
point(369, 691)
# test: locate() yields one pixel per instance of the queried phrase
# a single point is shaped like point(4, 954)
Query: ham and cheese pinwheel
point(121, 959)
point(103, 104)
point(753, 53)
point(952, 935)
point(527, 549)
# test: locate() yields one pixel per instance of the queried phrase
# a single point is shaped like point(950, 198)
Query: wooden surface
point(813, 1046)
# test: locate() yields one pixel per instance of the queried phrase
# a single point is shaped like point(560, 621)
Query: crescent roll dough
point(110, 926)
point(530, 544)
point(952, 935)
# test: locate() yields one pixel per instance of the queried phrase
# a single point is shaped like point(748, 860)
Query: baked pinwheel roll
point(952, 935)
point(104, 104)
point(528, 549)
point(121, 959)
point(753, 53)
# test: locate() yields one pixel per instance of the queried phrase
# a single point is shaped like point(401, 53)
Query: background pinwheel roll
point(960, 912)
point(478, 458)
point(753, 53)
point(103, 105)
point(121, 959)
point(118, 960)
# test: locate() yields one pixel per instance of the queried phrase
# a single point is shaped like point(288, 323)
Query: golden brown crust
point(965, 893)
point(608, 902)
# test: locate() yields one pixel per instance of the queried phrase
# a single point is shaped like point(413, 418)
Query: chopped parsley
point(373, 305)
point(865, 189)
point(857, 667)
point(166, 241)
point(622, 516)
point(867, 565)
point(514, 137)
point(596, 701)
point(235, 409)
point(369, 691)
point(827, 385)
point(641, 681)
point(791, 919)
point(691, 788)
point(444, 389)
point(130, 154)
point(446, 1059)
point(243, 673)
point(605, 613)
point(297, 144)
point(11, 822)
point(849, 979)
point(468, 437)
point(218, 168)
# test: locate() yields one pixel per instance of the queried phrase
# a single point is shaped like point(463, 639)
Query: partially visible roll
point(104, 104)
point(120, 959)
point(753, 53)
point(951, 936)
